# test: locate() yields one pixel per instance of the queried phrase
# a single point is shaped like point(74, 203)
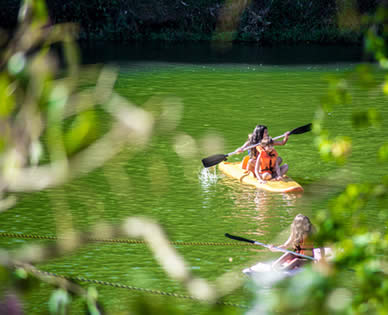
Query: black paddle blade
point(214, 159)
point(238, 238)
point(301, 129)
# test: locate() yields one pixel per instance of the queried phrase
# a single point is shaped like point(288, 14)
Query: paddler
point(259, 133)
point(251, 162)
point(300, 241)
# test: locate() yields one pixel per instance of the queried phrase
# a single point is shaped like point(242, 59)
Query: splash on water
point(208, 177)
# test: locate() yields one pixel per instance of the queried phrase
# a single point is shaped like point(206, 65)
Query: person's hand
point(270, 247)
point(287, 133)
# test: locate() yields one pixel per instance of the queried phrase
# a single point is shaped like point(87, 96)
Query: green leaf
point(57, 101)
point(59, 301)
point(21, 273)
point(36, 8)
point(82, 131)
point(7, 101)
point(16, 63)
point(367, 118)
point(383, 152)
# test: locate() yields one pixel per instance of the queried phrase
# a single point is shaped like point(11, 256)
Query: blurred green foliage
point(361, 251)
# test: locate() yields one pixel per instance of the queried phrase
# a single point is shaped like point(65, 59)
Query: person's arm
point(242, 148)
point(284, 141)
point(287, 244)
point(257, 168)
point(272, 249)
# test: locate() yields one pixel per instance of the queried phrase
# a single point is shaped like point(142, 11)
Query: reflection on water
point(261, 208)
point(265, 203)
point(266, 217)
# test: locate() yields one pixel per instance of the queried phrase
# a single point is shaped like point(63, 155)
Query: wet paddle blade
point(301, 129)
point(214, 160)
point(238, 238)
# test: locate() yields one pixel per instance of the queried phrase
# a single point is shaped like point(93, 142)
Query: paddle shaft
point(254, 145)
point(298, 130)
point(215, 159)
point(238, 238)
point(278, 137)
point(284, 250)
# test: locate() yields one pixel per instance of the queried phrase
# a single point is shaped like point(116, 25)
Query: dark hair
point(256, 137)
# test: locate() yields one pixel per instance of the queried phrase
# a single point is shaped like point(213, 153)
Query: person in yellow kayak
point(267, 168)
point(300, 241)
point(259, 133)
point(267, 162)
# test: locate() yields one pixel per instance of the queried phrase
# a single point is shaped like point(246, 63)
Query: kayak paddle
point(297, 131)
point(218, 158)
point(238, 238)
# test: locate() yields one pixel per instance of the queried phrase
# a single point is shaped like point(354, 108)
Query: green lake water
point(222, 100)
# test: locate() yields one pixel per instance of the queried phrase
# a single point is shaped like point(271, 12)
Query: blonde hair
point(301, 228)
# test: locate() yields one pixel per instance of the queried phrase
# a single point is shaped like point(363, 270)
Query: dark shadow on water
point(102, 52)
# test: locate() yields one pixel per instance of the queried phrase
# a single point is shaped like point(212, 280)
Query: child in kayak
point(300, 242)
point(251, 162)
point(267, 162)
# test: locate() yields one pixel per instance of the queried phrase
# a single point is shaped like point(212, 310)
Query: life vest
point(244, 163)
point(267, 160)
point(305, 247)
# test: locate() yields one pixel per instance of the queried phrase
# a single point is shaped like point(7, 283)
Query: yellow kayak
point(235, 170)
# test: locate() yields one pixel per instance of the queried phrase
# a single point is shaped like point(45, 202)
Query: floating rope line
point(126, 241)
point(128, 287)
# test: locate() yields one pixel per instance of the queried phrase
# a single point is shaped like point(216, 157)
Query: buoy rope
point(126, 241)
point(128, 287)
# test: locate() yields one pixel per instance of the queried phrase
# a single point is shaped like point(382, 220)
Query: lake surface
point(221, 100)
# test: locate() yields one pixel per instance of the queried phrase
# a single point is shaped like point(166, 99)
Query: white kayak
point(265, 268)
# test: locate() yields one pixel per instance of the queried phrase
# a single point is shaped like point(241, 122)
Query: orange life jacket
point(244, 163)
point(267, 160)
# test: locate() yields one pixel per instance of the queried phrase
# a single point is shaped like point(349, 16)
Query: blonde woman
point(300, 242)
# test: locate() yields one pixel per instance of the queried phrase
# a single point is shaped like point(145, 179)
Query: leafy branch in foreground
point(50, 133)
point(49, 124)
